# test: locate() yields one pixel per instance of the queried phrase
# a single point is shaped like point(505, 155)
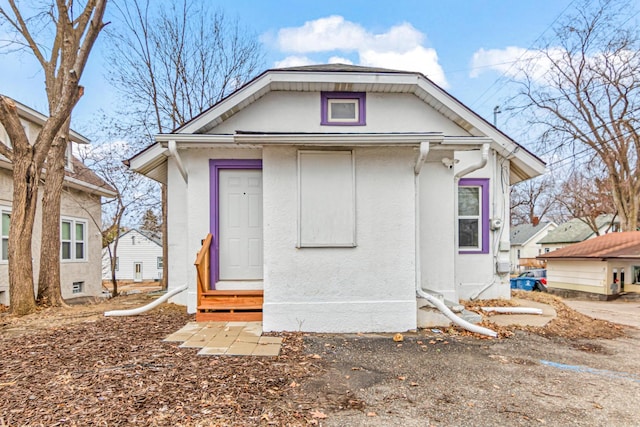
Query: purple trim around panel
point(484, 184)
point(215, 165)
point(362, 107)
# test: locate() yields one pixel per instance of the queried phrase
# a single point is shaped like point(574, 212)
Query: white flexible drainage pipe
point(513, 310)
point(455, 319)
point(139, 310)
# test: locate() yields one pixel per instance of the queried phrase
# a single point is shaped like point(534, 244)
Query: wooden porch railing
point(227, 305)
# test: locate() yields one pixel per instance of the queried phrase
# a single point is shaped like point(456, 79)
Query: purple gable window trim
point(324, 107)
point(484, 215)
point(215, 165)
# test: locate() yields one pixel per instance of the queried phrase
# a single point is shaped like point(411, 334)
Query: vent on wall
point(78, 288)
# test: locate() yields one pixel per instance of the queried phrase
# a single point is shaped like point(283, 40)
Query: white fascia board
point(338, 139)
point(200, 138)
point(225, 105)
point(149, 159)
point(38, 118)
point(504, 145)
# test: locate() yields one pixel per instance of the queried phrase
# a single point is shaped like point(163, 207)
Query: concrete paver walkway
point(227, 338)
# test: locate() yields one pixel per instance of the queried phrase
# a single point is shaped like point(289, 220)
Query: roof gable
point(523, 233)
point(575, 230)
point(611, 245)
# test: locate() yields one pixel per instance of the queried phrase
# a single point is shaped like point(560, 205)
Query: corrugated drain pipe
point(424, 151)
point(153, 304)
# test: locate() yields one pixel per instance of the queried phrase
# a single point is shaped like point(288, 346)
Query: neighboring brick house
point(80, 209)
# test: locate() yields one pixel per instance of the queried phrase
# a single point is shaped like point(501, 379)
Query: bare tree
point(586, 195)
point(172, 63)
point(532, 200)
point(63, 60)
point(588, 99)
point(134, 195)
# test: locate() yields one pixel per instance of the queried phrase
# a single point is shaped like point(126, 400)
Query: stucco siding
point(366, 288)
point(275, 112)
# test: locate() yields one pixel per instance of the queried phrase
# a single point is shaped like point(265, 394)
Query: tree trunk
point(25, 192)
point(165, 240)
point(49, 286)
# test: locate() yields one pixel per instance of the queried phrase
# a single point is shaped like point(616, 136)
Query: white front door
point(240, 210)
point(137, 272)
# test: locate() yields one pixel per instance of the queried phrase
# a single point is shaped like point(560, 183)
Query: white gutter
point(153, 304)
point(422, 156)
point(484, 156)
point(173, 151)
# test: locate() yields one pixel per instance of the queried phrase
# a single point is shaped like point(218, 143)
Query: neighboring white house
point(524, 244)
point(577, 230)
point(81, 240)
point(138, 257)
point(339, 190)
point(604, 265)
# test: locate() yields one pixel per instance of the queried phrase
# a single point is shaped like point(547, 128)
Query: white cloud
point(400, 47)
point(513, 62)
point(294, 61)
point(339, 60)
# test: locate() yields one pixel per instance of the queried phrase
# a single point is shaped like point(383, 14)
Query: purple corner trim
point(484, 184)
point(215, 165)
point(362, 107)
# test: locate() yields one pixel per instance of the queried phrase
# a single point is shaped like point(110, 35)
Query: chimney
point(535, 221)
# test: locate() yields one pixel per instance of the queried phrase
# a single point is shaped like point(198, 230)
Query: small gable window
point(343, 108)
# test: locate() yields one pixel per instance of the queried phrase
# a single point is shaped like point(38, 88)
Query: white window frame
point(345, 237)
point(4, 211)
point(159, 263)
point(69, 156)
point(80, 288)
point(477, 218)
point(73, 241)
point(332, 101)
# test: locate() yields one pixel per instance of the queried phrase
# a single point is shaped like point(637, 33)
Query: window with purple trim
point(473, 216)
point(343, 108)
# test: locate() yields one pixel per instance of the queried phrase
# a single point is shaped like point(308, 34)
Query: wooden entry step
point(230, 305)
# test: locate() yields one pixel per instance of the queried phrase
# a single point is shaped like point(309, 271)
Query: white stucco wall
point(366, 288)
point(475, 272)
point(274, 113)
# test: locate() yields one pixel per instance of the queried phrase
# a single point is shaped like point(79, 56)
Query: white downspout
point(173, 150)
point(424, 151)
point(474, 167)
point(153, 304)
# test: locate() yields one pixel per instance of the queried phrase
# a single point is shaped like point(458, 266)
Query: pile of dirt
point(118, 371)
point(568, 324)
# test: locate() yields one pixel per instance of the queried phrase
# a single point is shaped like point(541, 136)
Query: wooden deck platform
point(234, 305)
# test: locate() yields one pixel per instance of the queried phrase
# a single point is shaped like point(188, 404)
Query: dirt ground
point(75, 367)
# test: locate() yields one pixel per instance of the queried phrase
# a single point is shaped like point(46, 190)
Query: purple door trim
point(215, 165)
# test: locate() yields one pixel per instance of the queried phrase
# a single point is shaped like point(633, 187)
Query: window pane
point(66, 230)
point(343, 110)
point(468, 232)
point(469, 201)
point(79, 250)
point(79, 231)
point(6, 219)
point(66, 250)
point(5, 249)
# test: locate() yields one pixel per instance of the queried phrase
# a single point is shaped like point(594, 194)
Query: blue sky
point(465, 46)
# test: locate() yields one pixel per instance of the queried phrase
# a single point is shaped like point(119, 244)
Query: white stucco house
point(138, 257)
point(80, 210)
point(337, 191)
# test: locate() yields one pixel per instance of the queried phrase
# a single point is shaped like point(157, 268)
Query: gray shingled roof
point(574, 231)
point(343, 68)
point(520, 234)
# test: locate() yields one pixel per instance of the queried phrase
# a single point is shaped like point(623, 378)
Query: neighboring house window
point(133, 240)
point(518, 253)
point(68, 155)
point(326, 199)
point(159, 261)
point(343, 108)
point(547, 250)
point(77, 288)
point(473, 216)
point(73, 239)
point(4, 249)
point(117, 263)
point(636, 274)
